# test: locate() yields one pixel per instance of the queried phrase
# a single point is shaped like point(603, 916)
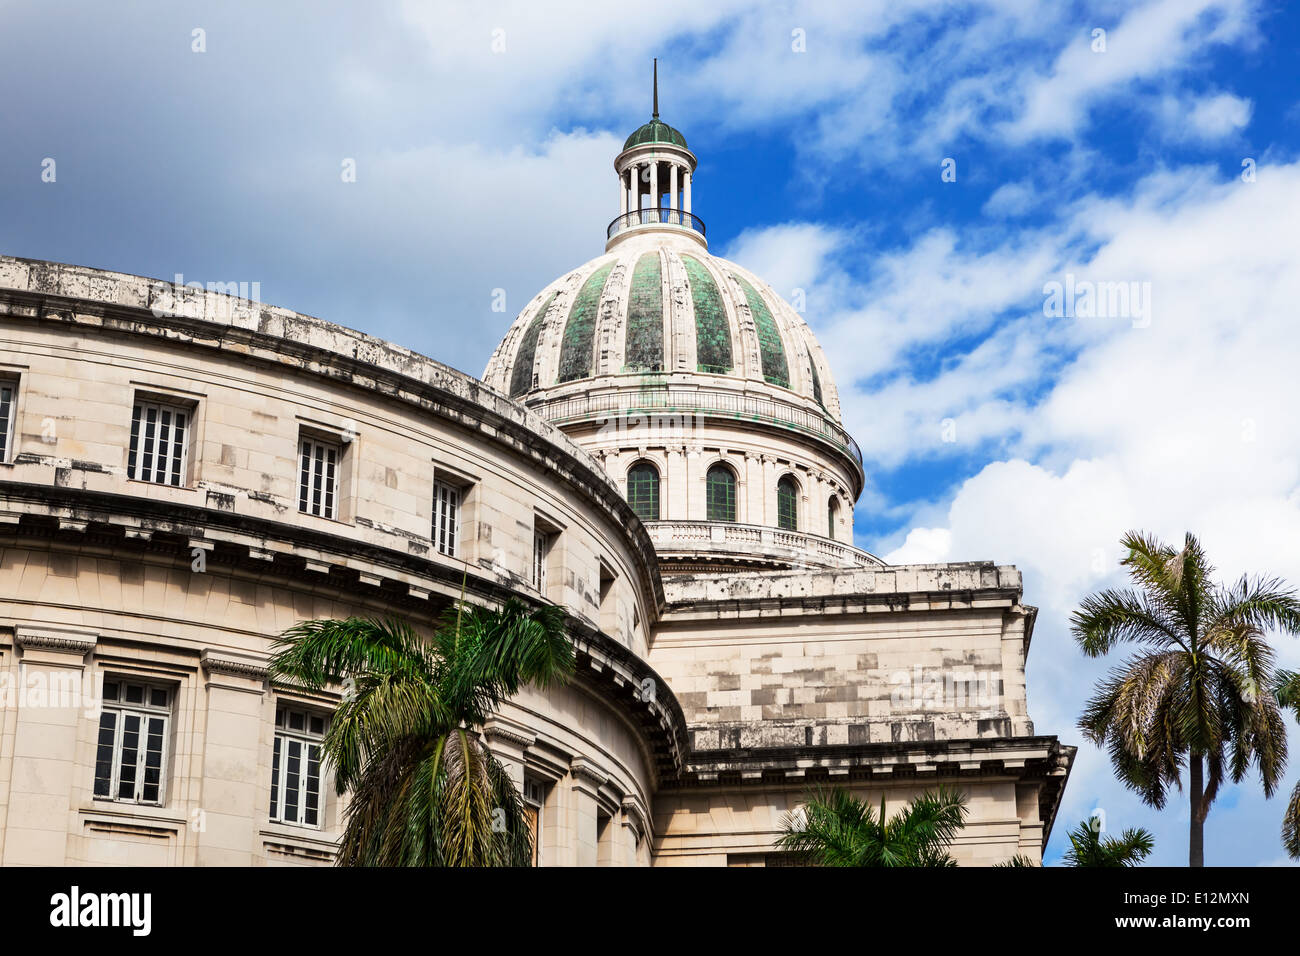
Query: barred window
point(296, 767)
point(7, 416)
point(787, 504)
point(446, 517)
point(318, 482)
point(643, 490)
point(158, 443)
point(131, 752)
point(832, 515)
point(720, 493)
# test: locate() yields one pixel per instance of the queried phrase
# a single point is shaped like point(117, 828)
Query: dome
point(660, 306)
point(699, 389)
point(655, 131)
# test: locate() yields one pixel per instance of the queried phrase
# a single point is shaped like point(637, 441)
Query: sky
point(945, 182)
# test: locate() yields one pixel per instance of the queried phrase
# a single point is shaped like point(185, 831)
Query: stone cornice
point(216, 662)
point(1039, 758)
point(105, 519)
point(584, 769)
point(519, 736)
point(74, 642)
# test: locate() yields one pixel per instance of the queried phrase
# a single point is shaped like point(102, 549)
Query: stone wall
point(927, 652)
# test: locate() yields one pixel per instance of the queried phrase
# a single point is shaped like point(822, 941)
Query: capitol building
point(656, 445)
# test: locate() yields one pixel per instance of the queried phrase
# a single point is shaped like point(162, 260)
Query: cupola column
point(654, 185)
point(622, 196)
point(672, 187)
point(633, 200)
point(686, 190)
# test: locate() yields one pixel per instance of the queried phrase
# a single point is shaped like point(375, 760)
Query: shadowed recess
point(577, 349)
point(776, 370)
point(521, 378)
point(645, 317)
point(816, 380)
point(712, 332)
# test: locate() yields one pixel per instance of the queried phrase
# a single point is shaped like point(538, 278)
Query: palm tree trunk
point(1196, 841)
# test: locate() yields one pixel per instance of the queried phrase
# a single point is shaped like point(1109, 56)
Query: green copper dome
point(655, 131)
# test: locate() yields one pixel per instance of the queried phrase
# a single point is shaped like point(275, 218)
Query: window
point(832, 515)
point(8, 412)
point(295, 767)
point(787, 504)
point(534, 800)
point(608, 603)
point(131, 753)
point(158, 434)
point(446, 517)
point(542, 541)
point(720, 493)
point(643, 490)
point(318, 481)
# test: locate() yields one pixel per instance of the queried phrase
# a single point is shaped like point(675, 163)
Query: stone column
point(231, 807)
point(675, 490)
point(695, 509)
point(585, 780)
point(687, 190)
point(633, 189)
point(768, 493)
point(629, 829)
point(622, 196)
point(754, 487)
point(54, 694)
point(654, 185)
point(672, 187)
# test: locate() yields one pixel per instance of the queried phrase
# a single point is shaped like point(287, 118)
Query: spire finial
point(656, 112)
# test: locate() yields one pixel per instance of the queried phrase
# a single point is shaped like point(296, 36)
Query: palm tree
point(1089, 848)
point(1195, 693)
point(838, 829)
point(1288, 695)
point(405, 741)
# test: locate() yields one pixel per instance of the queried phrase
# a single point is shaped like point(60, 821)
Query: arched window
point(832, 515)
point(643, 490)
point(787, 504)
point(720, 493)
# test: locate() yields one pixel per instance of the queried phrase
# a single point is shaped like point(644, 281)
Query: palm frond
point(1113, 616)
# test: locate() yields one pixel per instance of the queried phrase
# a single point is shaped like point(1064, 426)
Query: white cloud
point(1214, 117)
point(1161, 37)
point(1011, 200)
point(922, 546)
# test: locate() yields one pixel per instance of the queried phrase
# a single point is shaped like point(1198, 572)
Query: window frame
point(9, 410)
point(142, 710)
point(832, 515)
point(787, 503)
point(176, 474)
point(732, 494)
point(643, 465)
point(284, 735)
point(309, 496)
point(444, 532)
point(533, 796)
point(543, 541)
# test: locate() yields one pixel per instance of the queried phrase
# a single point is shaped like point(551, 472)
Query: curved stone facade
point(179, 586)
